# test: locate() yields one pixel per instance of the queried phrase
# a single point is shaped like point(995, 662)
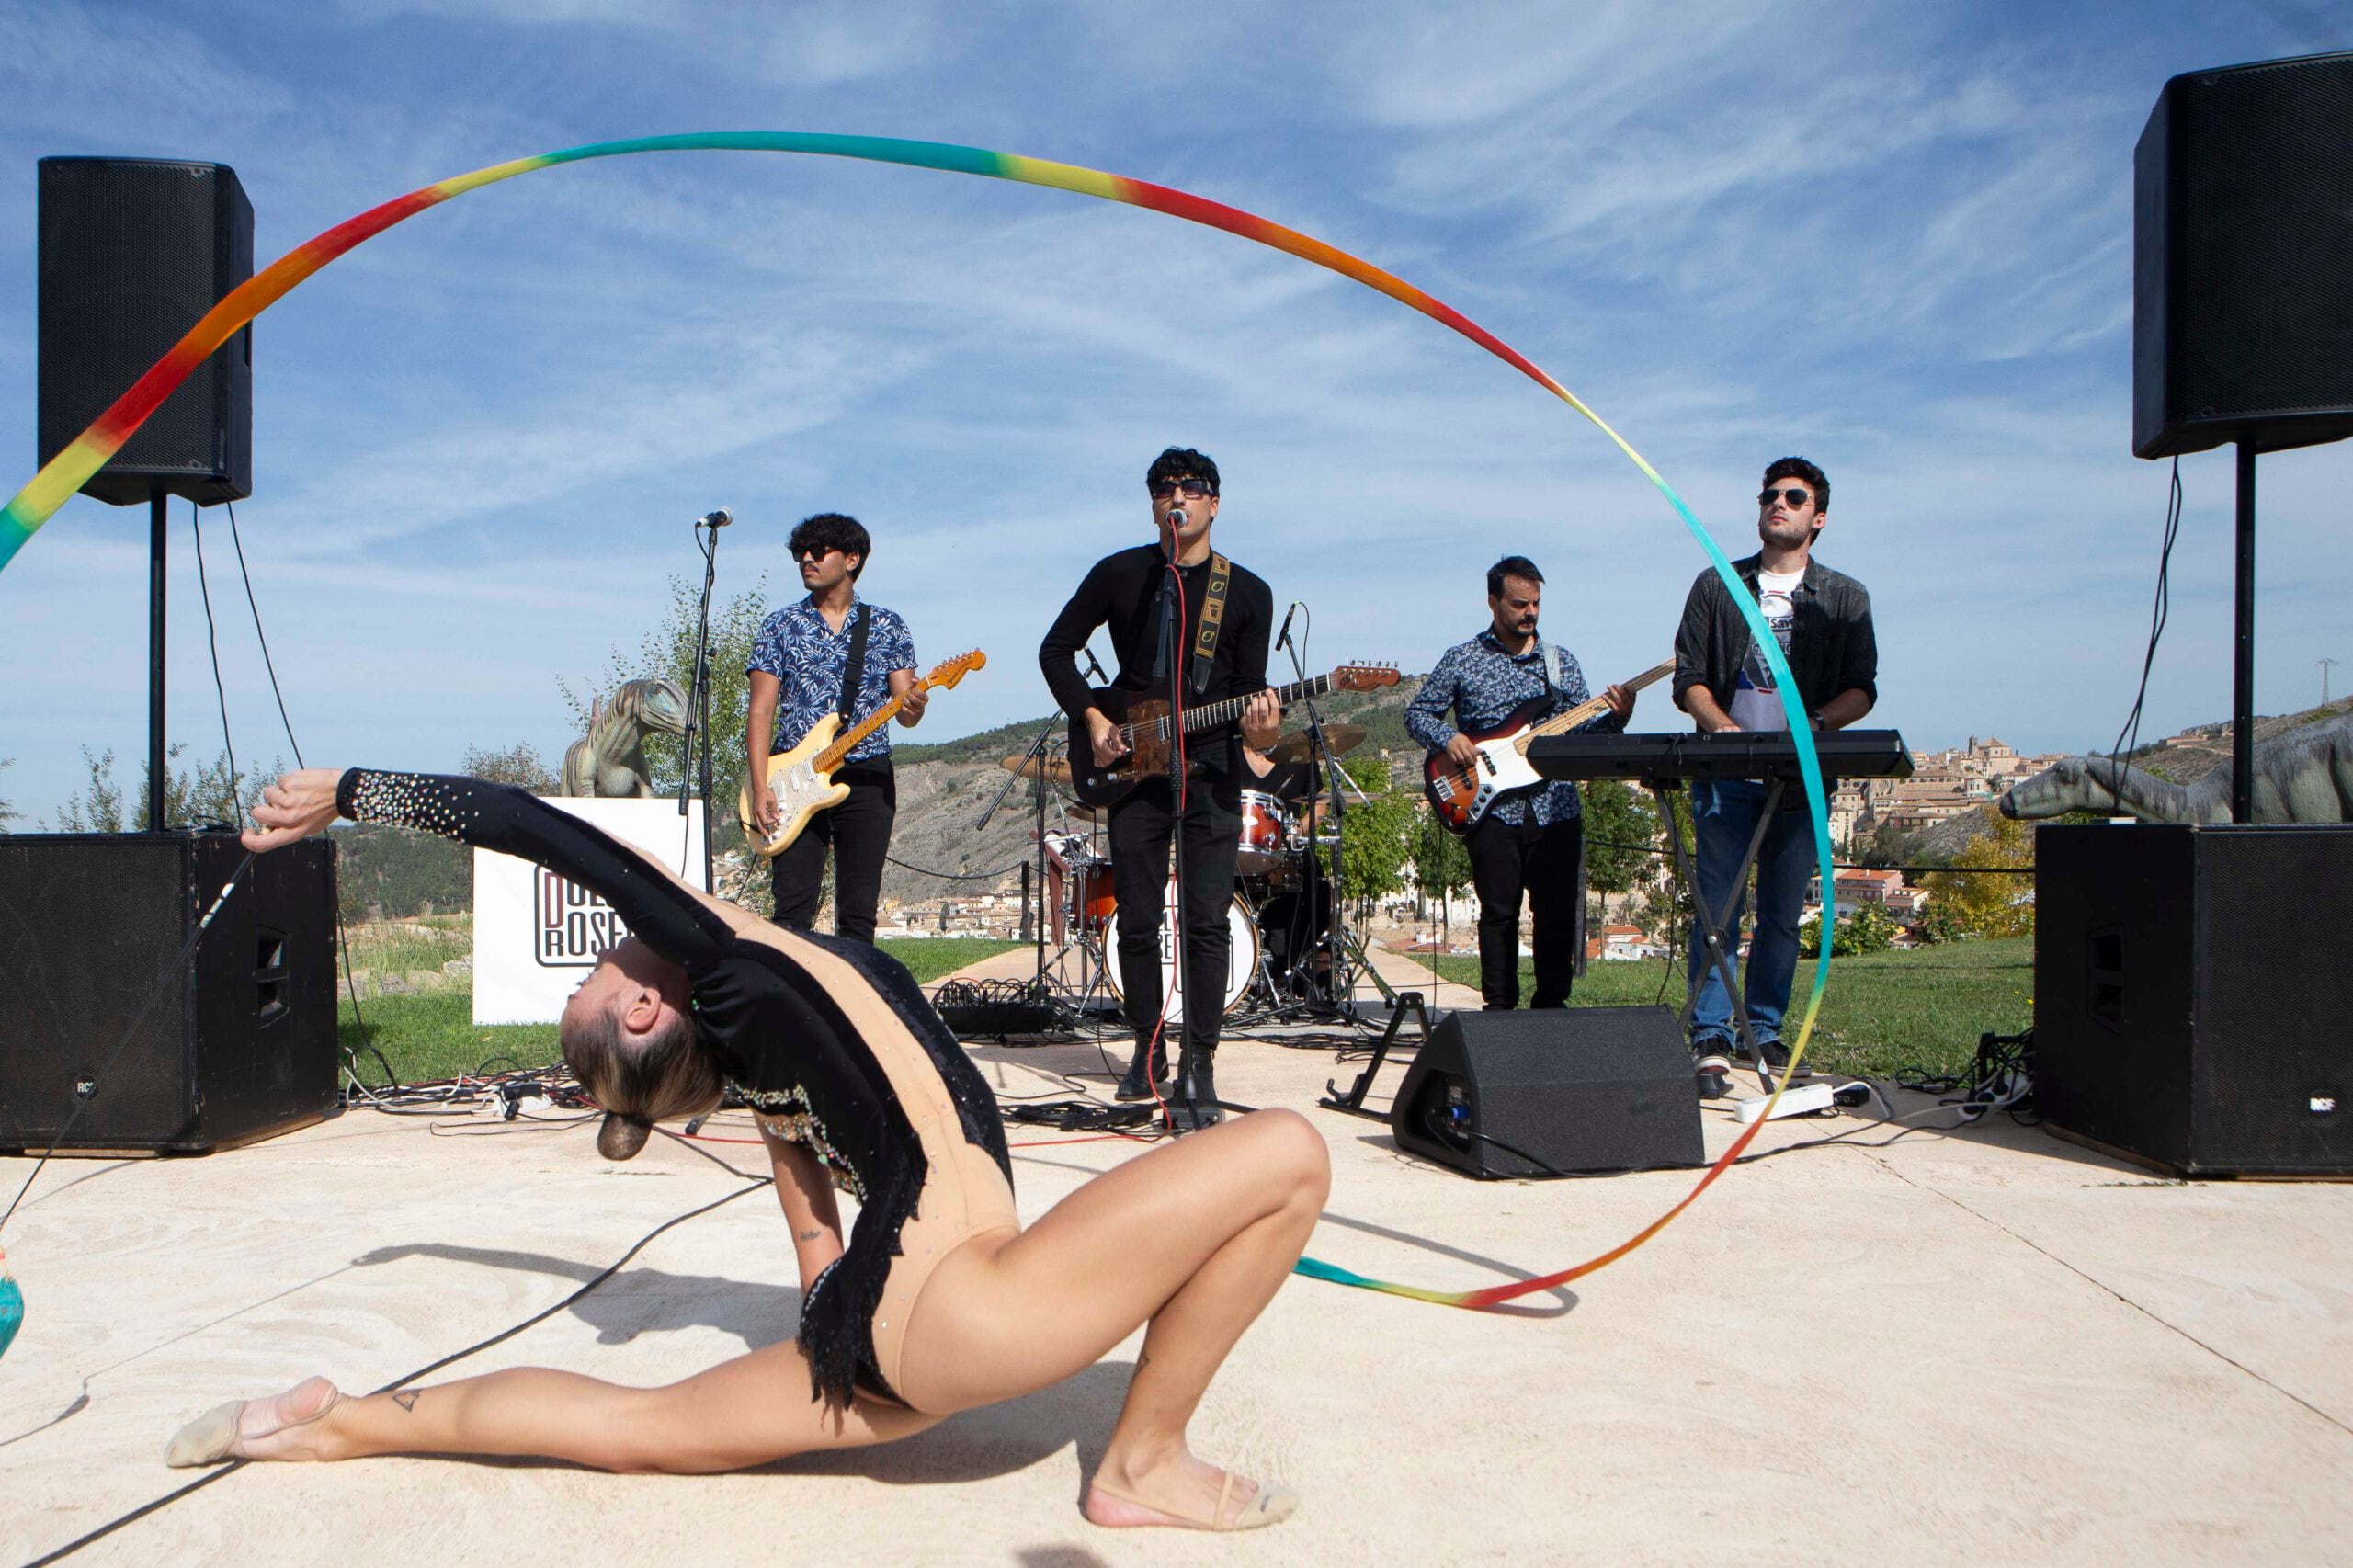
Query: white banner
point(537, 933)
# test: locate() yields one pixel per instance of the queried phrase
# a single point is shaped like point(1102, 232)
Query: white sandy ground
point(1967, 1348)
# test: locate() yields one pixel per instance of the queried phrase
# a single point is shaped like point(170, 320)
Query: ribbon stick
point(71, 468)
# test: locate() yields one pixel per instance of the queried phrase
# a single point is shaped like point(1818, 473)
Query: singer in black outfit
point(1124, 590)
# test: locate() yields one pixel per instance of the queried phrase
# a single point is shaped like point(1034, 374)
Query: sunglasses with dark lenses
point(1190, 489)
point(1795, 496)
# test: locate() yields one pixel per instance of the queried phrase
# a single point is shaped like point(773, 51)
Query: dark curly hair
point(832, 531)
point(1798, 468)
point(1181, 462)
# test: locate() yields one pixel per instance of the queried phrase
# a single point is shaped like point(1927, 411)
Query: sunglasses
point(1190, 489)
point(1793, 495)
point(815, 551)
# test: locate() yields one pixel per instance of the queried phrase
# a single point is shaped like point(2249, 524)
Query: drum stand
point(1348, 957)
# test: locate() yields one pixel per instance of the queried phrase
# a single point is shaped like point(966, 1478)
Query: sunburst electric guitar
point(802, 779)
point(1461, 796)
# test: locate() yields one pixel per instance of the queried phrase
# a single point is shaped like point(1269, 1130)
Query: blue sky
point(1895, 238)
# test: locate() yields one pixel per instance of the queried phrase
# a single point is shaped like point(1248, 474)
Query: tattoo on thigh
point(406, 1398)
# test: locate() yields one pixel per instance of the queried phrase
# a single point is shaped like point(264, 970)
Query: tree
point(1621, 845)
point(1378, 832)
point(1868, 929)
point(1441, 862)
point(8, 812)
point(202, 799)
point(1990, 905)
point(518, 765)
point(1887, 846)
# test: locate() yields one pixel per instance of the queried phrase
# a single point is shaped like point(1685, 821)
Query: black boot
point(1194, 1105)
point(1134, 1084)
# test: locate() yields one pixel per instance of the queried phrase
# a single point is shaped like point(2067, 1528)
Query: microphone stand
point(698, 700)
point(1328, 766)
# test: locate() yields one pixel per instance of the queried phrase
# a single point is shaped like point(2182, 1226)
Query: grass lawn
point(432, 1034)
point(1923, 1009)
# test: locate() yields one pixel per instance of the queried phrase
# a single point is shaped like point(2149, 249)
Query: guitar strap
point(1212, 619)
point(854, 668)
point(1551, 669)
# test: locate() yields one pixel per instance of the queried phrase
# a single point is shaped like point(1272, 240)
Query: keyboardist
point(1821, 620)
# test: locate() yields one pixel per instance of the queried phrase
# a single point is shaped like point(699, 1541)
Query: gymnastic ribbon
point(66, 473)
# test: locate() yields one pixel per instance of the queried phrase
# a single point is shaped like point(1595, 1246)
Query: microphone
point(718, 519)
point(1282, 639)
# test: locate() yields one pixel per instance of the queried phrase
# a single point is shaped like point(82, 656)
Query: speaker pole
point(2243, 650)
point(158, 506)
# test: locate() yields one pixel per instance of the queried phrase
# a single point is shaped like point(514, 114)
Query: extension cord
point(1806, 1100)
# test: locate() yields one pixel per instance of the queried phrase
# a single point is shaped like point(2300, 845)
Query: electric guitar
point(1145, 724)
point(802, 779)
point(1461, 796)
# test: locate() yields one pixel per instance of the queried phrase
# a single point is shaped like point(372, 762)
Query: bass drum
point(1241, 953)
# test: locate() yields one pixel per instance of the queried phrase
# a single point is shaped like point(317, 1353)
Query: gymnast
point(941, 1301)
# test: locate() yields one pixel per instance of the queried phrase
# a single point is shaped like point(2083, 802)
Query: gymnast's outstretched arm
point(677, 921)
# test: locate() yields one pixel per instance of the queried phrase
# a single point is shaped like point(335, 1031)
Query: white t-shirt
point(1755, 705)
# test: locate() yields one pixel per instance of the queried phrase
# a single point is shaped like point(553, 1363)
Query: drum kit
point(1279, 953)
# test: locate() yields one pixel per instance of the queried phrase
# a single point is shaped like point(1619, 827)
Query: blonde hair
point(639, 1082)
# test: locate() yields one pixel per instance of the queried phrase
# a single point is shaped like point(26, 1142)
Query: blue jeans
point(1723, 816)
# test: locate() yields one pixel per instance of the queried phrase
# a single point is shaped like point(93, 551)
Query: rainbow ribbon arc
point(65, 473)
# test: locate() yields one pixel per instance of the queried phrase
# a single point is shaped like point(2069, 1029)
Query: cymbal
point(1026, 766)
point(1341, 738)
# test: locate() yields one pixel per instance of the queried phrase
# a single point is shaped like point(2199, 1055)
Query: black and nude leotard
point(829, 1040)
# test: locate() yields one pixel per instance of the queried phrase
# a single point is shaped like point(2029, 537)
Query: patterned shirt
point(808, 659)
point(1484, 685)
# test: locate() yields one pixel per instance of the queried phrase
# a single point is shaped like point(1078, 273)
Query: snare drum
point(1241, 953)
point(1266, 832)
point(1091, 899)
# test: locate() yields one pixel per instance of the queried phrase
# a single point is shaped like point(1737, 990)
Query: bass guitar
point(1145, 724)
point(1461, 795)
point(802, 779)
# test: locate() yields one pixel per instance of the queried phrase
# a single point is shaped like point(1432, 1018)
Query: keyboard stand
point(1718, 927)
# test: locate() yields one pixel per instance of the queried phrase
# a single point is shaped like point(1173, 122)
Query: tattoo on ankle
point(406, 1398)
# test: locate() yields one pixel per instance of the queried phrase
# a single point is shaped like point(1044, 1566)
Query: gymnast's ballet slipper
point(1267, 1506)
point(215, 1435)
point(207, 1439)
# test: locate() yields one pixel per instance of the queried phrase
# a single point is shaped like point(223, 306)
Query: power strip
point(1806, 1100)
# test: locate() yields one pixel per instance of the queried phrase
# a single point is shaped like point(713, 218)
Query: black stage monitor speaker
point(2242, 225)
point(240, 1043)
point(2191, 994)
point(133, 251)
point(1567, 1089)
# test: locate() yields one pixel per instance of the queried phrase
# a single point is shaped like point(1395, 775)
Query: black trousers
point(1506, 860)
point(858, 832)
point(1142, 827)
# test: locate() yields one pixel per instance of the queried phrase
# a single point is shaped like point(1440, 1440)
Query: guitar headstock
point(955, 669)
point(1363, 678)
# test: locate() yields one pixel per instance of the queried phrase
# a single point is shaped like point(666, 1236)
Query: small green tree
point(1990, 905)
point(1441, 863)
point(1621, 842)
point(1378, 833)
point(519, 765)
point(1887, 846)
point(8, 812)
point(205, 797)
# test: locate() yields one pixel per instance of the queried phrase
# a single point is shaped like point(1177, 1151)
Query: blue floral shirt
point(807, 657)
point(1486, 685)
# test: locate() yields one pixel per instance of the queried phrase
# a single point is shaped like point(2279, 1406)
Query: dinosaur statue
point(2305, 776)
point(610, 760)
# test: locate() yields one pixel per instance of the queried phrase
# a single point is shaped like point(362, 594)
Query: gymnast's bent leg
point(1192, 1239)
point(749, 1410)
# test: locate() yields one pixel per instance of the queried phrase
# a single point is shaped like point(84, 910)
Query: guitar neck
point(831, 757)
point(1215, 714)
point(1593, 708)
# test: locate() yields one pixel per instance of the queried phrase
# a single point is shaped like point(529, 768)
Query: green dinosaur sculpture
point(609, 761)
point(2305, 776)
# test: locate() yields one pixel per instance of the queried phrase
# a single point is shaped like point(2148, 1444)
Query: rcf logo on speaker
point(571, 924)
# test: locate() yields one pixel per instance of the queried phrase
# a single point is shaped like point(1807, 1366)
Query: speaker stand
point(2242, 643)
point(158, 516)
point(1353, 1101)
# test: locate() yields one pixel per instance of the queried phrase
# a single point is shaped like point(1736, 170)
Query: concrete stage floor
point(1964, 1347)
